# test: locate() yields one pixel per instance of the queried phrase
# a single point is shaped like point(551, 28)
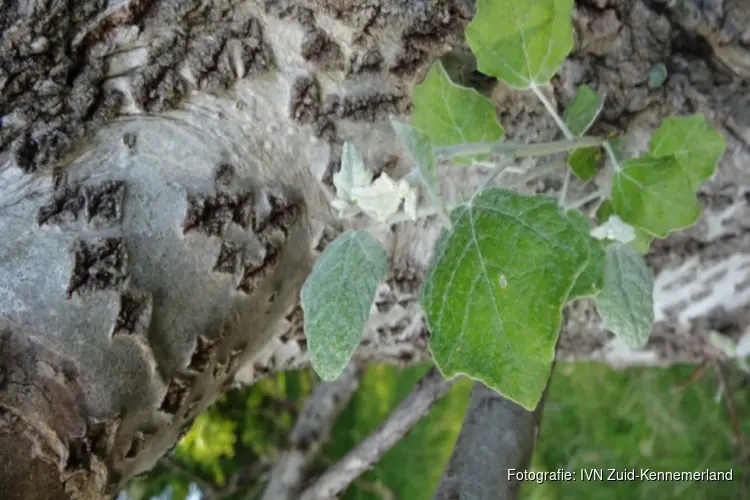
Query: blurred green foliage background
point(594, 418)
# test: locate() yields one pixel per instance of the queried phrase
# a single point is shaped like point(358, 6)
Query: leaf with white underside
point(626, 303)
point(382, 198)
point(352, 174)
point(337, 297)
point(641, 241)
point(694, 143)
point(521, 42)
point(450, 114)
point(614, 229)
point(356, 191)
point(655, 195)
point(494, 291)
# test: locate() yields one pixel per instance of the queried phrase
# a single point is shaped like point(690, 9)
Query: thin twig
point(554, 114)
point(427, 392)
point(585, 200)
point(312, 429)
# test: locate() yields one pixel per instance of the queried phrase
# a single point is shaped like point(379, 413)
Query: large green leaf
point(696, 145)
point(626, 302)
point(655, 194)
point(337, 298)
point(494, 291)
point(521, 42)
point(451, 114)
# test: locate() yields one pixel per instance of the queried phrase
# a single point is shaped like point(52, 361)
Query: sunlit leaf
point(521, 42)
point(655, 194)
point(450, 114)
point(495, 287)
point(696, 145)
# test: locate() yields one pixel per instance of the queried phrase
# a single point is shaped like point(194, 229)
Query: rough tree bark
point(148, 263)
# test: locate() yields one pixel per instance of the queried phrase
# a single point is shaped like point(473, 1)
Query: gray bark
point(496, 442)
point(161, 165)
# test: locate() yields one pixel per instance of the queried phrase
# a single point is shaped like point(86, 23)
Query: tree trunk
point(144, 263)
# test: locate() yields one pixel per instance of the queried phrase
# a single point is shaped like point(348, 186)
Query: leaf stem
point(517, 150)
point(588, 199)
point(554, 114)
point(502, 164)
point(611, 155)
point(564, 191)
point(535, 173)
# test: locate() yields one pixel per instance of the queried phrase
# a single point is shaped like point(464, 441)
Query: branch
point(416, 405)
point(497, 436)
point(310, 432)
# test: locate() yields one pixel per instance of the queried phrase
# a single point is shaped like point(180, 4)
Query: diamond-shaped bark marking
point(283, 215)
point(177, 392)
point(365, 62)
point(135, 312)
point(98, 265)
point(105, 203)
point(254, 275)
point(224, 174)
point(318, 47)
point(66, 206)
point(212, 214)
point(304, 104)
point(204, 351)
point(230, 258)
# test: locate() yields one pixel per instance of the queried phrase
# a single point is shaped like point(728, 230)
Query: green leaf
point(642, 240)
point(495, 287)
point(655, 194)
point(584, 162)
point(451, 114)
point(626, 303)
point(582, 111)
point(521, 42)
point(591, 280)
point(418, 146)
point(696, 145)
point(337, 297)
